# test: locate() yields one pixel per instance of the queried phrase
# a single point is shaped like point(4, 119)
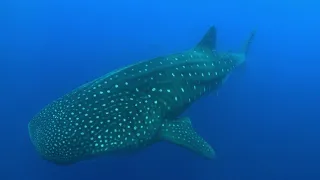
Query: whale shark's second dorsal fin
point(209, 40)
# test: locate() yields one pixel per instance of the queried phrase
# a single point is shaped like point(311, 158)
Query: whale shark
point(135, 106)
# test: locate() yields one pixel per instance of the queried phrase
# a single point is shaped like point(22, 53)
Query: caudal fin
point(247, 45)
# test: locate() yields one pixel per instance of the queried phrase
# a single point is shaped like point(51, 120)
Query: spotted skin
point(132, 107)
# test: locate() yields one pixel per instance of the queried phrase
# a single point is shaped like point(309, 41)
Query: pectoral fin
point(181, 132)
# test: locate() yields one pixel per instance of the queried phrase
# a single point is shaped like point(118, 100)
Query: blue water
point(264, 123)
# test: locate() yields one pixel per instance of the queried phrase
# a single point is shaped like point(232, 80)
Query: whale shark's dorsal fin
point(209, 40)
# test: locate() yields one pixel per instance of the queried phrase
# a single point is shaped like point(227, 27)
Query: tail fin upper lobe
point(248, 42)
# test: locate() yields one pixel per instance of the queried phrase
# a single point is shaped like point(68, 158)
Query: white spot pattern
point(124, 109)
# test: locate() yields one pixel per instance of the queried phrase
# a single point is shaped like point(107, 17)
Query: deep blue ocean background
point(264, 123)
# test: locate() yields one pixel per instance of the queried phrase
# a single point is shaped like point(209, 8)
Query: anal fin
point(181, 132)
